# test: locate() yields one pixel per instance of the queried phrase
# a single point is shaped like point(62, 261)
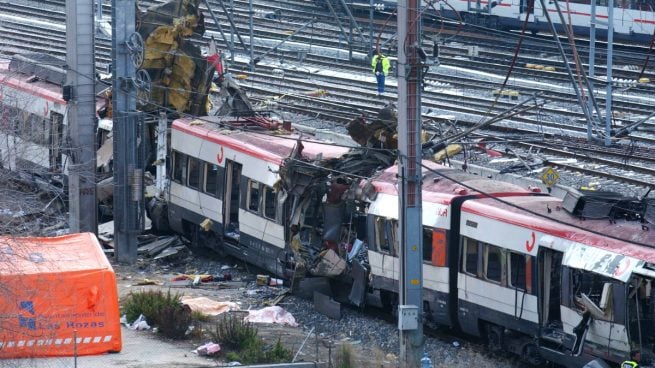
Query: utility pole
point(80, 87)
point(127, 55)
point(592, 64)
point(610, 56)
point(252, 36)
point(410, 321)
point(370, 25)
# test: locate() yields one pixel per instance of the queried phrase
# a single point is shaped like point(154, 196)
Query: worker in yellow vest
point(635, 357)
point(381, 65)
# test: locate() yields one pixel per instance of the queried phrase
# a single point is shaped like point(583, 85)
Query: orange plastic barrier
point(52, 289)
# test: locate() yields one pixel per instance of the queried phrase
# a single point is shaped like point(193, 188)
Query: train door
point(231, 200)
point(550, 293)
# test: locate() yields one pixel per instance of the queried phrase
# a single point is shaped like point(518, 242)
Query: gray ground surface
point(141, 349)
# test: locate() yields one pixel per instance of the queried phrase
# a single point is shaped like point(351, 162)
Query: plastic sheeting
point(273, 314)
point(208, 306)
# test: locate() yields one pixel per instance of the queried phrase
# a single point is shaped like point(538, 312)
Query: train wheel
point(390, 302)
point(495, 338)
point(531, 355)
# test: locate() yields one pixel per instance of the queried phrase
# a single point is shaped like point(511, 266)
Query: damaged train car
point(291, 207)
point(34, 136)
point(532, 274)
point(180, 75)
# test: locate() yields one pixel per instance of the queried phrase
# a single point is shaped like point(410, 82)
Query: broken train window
point(179, 167)
point(641, 312)
point(385, 235)
point(270, 203)
point(194, 173)
point(253, 195)
point(211, 179)
point(599, 294)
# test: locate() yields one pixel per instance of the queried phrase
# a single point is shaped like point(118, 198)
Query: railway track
point(350, 84)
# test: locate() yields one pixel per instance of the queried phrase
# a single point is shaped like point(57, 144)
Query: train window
point(253, 196)
point(493, 265)
point(32, 128)
point(438, 256)
point(517, 270)
point(211, 179)
point(427, 244)
point(194, 173)
point(270, 203)
point(471, 256)
point(179, 167)
point(385, 235)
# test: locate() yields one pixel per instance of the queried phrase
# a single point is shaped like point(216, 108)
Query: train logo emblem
point(530, 246)
point(622, 267)
point(219, 157)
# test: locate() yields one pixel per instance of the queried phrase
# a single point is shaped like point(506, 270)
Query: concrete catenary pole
point(80, 81)
point(126, 209)
point(410, 310)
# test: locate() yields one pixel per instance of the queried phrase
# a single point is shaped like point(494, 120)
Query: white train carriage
point(524, 276)
point(223, 187)
point(442, 199)
point(32, 120)
point(634, 20)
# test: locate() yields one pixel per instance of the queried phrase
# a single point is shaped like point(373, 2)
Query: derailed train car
point(500, 261)
point(517, 269)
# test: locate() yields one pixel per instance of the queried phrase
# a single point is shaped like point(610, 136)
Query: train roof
point(26, 83)
point(442, 184)
point(547, 215)
point(272, 146)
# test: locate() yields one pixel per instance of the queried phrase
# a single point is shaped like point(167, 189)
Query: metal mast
point(127, 55)
point(80, 81)
point(410, 310)
point(610, 56)
point(592, 62)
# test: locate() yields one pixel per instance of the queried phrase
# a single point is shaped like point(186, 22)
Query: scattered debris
point(172, 251)
point(262, 280)
point(274, 314)
point(277, 299)
point(140, 324)
point(145, 282)
point(209, 348)
point(208, 306)
point(152, 249)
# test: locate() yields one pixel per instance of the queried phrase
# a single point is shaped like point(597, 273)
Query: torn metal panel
point(105, 154)
point(329, 264)
point(333, 221)
point(613, 265)
point(327, 306)
point(358, 292)
point(181, 76)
